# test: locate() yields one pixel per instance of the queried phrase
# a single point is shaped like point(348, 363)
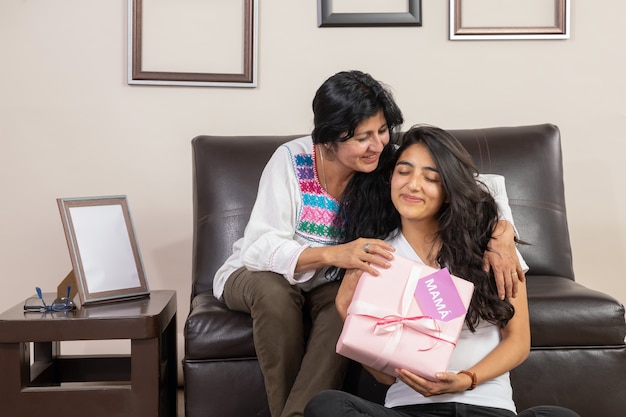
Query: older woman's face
point(361, 152)
point(416, 188)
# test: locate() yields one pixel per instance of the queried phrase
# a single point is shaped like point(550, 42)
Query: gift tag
point(438, 297)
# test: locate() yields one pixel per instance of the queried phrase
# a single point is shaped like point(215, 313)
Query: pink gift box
point(387, 328)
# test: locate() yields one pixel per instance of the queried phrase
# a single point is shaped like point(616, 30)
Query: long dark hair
point(466, 221)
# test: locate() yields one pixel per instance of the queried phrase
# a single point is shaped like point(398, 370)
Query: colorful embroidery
point(318, 208)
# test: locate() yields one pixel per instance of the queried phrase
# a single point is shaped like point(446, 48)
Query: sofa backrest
point(226, 171)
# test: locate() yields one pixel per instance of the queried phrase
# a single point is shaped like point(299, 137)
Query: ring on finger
point(367, 248)
point(513, 274)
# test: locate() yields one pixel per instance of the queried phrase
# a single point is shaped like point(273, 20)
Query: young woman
point(435, 212)
point(279, 271)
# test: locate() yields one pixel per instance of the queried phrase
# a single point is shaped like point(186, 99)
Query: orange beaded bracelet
point(471, 375)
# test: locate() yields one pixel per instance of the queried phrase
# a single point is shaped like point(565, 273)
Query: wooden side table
point(142, 384)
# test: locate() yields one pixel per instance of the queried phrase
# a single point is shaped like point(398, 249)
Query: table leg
point(153, 374)
point(15, 365)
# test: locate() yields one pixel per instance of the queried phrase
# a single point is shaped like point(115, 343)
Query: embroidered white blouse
point(292, 212)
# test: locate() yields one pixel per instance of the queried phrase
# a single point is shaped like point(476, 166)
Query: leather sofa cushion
point(213, 331)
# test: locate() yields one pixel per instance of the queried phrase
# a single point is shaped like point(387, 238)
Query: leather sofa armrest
point(566, 313)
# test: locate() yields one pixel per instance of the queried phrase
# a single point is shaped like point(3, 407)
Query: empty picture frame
point(327, 18)
point(509, 19)
point(204, 43)
point(103, 248)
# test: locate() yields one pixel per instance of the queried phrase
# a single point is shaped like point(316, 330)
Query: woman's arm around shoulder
point(501, 256)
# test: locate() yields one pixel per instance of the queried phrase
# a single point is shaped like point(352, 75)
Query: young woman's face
point(416, 189)
point(361, 152)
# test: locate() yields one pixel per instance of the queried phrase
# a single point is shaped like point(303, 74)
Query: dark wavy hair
point(466, 221)
point(346, 99)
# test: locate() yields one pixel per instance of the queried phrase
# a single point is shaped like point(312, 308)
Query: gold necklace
point(319, 149)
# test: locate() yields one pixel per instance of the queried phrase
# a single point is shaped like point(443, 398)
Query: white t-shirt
point(469, 350)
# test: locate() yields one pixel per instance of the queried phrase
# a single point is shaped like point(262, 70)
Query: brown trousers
point(296, 362)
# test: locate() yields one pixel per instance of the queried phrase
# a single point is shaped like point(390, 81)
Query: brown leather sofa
point(578, 355)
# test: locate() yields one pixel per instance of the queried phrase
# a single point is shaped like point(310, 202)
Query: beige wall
point(70, 126)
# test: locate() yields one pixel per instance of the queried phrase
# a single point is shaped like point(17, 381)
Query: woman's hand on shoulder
point(501, 257)
point(446, 383)
point(361, 254)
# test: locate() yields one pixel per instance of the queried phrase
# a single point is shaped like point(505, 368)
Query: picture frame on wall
point(353, 14)
point(212, 44)
point(103, 248)
point(509, 19)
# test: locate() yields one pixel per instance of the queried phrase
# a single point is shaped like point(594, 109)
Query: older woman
point(281, 271)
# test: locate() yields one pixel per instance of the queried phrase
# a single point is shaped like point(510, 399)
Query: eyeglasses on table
point(38, 304)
